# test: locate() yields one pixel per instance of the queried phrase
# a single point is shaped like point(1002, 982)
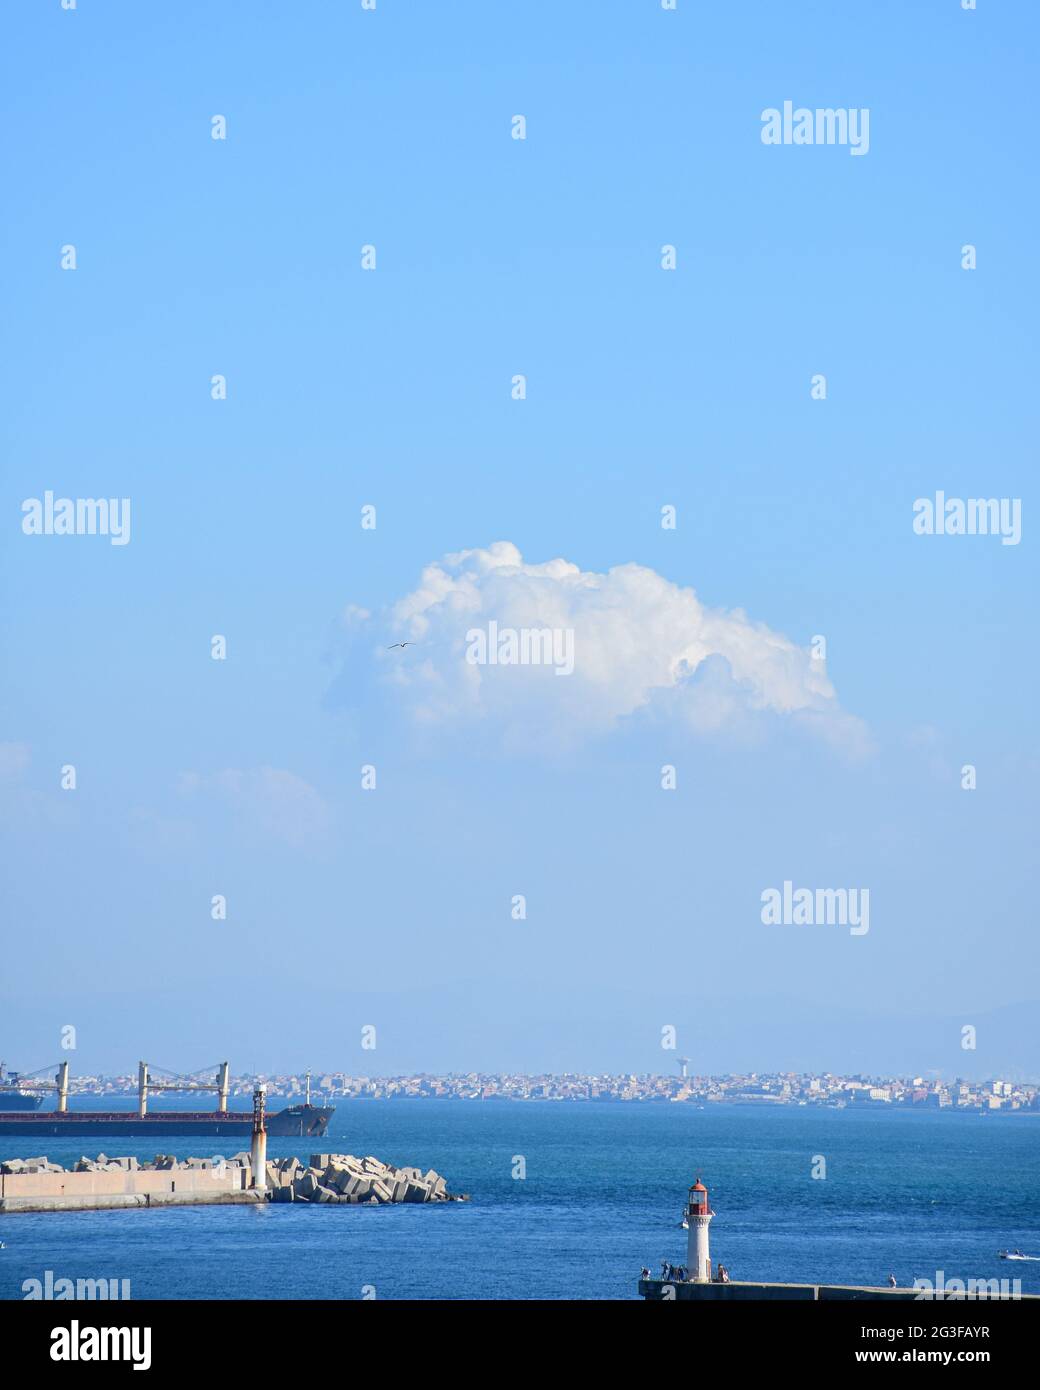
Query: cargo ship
point(296, 1121)
point(20, 1111)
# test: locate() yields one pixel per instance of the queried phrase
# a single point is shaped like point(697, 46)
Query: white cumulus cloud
point(643, 648)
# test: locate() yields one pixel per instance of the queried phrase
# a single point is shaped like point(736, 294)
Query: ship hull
point(296, 1121)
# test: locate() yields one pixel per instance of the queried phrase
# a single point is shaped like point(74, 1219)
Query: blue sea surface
point(906, 1192)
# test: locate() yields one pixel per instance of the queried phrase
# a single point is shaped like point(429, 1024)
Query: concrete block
point(323, 1193)
point(320, 1160)
point(339, 1178)
point(282, 1194)
point(416, 1192)
point(305, 1186)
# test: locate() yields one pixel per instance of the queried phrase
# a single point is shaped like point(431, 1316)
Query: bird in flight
point(399, 644)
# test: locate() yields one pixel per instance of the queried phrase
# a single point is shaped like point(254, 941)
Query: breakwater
point(665, 1291)
point(36, 1184)
point(91, 1184)
point(354, 1181)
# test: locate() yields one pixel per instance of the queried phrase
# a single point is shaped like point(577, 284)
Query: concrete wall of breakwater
point(660, 1290)
point(36, 1184)
point(66, 1191)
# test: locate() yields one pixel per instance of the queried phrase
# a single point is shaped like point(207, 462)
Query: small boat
point(1015, 1255)
point(684, 1224)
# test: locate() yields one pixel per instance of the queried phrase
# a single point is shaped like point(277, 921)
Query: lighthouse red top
point(699, 1199)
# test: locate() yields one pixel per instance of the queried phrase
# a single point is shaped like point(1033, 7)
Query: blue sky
point(644, 388)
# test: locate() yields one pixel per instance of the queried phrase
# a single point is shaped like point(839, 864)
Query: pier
point(734, 1291)
point(118, 1184)
point(697, 1282)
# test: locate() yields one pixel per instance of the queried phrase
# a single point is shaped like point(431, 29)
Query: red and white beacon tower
point(698, 1217)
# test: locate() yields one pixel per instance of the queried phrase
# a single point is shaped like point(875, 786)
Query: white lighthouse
point(698, 1216)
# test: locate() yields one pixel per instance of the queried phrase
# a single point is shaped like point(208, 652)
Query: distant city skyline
point(823, 1088)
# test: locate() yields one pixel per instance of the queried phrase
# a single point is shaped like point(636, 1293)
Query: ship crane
point(220, 1084)
point(33, 1081)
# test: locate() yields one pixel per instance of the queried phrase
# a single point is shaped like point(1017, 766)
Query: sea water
point(905, 1192)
